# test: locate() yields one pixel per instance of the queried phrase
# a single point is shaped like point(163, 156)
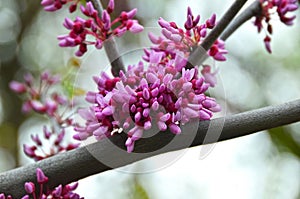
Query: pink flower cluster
point(174, 39)
point(99, 28)
point(53, 5)
point(41, 99)
point(163, 96)
point(283, 9)
point(55, 145)
point(44, 99)
point(60, 192)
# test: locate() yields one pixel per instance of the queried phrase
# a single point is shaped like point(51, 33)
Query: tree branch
point(110, 46)
point(199, 54)
point(253, 10)
point(91, 159)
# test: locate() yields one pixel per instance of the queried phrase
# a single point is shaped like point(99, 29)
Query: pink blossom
point(100, 29)
point(283, 9)
point(175, 39)
point(17, 87)
point(162, 96)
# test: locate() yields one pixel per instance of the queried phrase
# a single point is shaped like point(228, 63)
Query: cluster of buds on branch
point(43, 192)
point(174, 38)
point(54, 144)
point(98, 28)
point(53, 5)
point(269, 7)
point(44, 99)
point(164, 96)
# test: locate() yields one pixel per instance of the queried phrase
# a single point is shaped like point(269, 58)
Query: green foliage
point(68, 81)
point(284, 141)
point(139, 192)
point(9, 138)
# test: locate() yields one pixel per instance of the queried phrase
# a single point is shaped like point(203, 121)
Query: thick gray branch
point(94, 158)
point(110, 46)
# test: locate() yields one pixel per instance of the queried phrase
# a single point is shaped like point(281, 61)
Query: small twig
point(110, 47)
point(80, 163)
point(199, 54)
point(253, 10)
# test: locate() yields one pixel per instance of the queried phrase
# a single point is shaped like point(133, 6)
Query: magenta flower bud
point(90, 9)
point(162, 126)
point(36, 139)
point(2, 196)
point(29, 151)
point(47, 133)
point(129, 144)
point(204, 115)
point(80, 136)
point(155, 106)
point(176, 37)
point(147, 125)
point(189, 11)
point(29, 187)
point(174, 128)
point(163, 23)
point(136, 27)
point(189, 23)
point(41, 178)
point(203, 32)
point(51, 107)
point(73, 7)
point(107, 111)
point(71, 187)
point(50, 8)
point(165, 117)
point(24, 197)
point(46, 2)
point(17, 87)
point(137, 117)
point(146, 112)
point(38, 106)
point(58, 191)
point(154, 39)
point(60, 137)
point(267, 41)
point(166, 33)
point(196, 21)
point(133, 108)
point(211, 22)
point(68, 23)
point(99, 44)
point(130, 14)
point(106, 20)
point(216, 108)
point(146, 94)
point(120, 32)
point(26, 107)
point(111, 6)
point(28, 78)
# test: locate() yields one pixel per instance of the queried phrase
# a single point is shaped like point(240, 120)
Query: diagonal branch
point(94, 158)
point(199, 54)
point(110, 46)
point(253, 10)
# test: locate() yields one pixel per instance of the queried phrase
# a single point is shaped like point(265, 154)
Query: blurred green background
point(263, 165)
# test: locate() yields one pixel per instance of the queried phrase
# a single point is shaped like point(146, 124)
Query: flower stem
point(253, 10)
point(199, 54)
point(110, 46)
